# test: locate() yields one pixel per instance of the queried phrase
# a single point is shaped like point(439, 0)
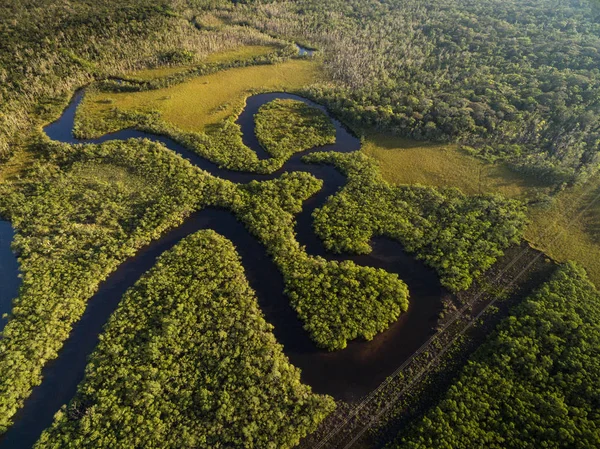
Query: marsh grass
point(205, 100)
point(101, 173)
point(405, 161)
point(235, 54)
point(564, 233)
point(241, 53)
point(16, 165)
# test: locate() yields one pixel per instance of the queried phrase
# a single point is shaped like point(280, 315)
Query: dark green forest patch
point(337, 301)
point(460, 236)
point(533, 384)
point(78, 216)
point(187, 360)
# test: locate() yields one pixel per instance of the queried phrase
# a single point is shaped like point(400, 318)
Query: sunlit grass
point(102, 173)
point(405, 161)
point(16, 165)
point(235, 54)
point(241, 53)
point(552, 229)
point(161, 72)
point(206, 100)
point(564, 232)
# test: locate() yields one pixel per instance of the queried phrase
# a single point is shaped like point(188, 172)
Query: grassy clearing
point(236, 54)
point(206, 100)
point(565, 234)
point(161, 72)
point(16, 165)
point(551, 229)
point(241, 53)
point(405, 161)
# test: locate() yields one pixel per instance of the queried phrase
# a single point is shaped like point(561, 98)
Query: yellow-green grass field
point(570, 228)
point(405, 161)
point(205, 100)
point(235, 54)
point(152, 74)
point(241, 53)
point(556, 230)
point(15, 166)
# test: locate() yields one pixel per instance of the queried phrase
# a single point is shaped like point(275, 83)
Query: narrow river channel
point(9, 271)
point(348, 374)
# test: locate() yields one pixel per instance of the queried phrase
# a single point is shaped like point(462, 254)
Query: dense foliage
point(285, 127)
point(337, 301)
point(85, 208)
point(187, 360)
point(223, 145)
point(517, 79)
point(460, 236)
point(533, 384)
point(78, 216)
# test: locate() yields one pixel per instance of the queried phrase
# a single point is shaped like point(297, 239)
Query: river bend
point(348, 374)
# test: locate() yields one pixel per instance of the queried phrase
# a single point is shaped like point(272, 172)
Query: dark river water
point(348, 374)
point(9, 271)
point(302, 51)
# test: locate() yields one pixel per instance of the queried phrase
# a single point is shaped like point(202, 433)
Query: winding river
point(9, 271)
point(348, 374)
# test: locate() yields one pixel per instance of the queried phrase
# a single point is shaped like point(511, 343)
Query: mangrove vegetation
point(533, 384)
point(187, 360)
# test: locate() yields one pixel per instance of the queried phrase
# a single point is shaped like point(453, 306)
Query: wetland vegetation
point(78, 216)
point(533, 383)
point(188, 360)
point(478, 125)
point(285, 127)
point(457, 235)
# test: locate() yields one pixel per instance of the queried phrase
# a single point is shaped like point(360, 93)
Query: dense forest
point(533, 384)
point(78, 215)
point(514, 79)
point(458, 235)
point(187, 360)
point(337, 301)
point(285, 127)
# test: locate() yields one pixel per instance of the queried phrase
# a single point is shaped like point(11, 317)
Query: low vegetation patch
point(285, 127)
point(460, 236)
point(568, 227)
point(187, 360)
point(533, 384)
point(238, 54)
point(405, 161)
point(203, 101)
point(241, 53)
